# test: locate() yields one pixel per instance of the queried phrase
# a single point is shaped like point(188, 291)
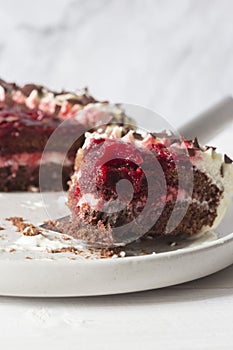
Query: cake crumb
point(65, 238)
point(64, 250)
point(109, 253)
point(15, 220)
point(31, 230)
point(33, 189)
point(12, 250)
point(26, 229)
point(122, 254)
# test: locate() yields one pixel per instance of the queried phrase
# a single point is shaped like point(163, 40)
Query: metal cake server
point(209, 123)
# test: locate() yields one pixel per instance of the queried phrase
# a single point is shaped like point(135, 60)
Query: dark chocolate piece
point(191, 151)
point(213, 148)
point(222, 171)
point(196, 143)
point(227, 159)
point(137, 136)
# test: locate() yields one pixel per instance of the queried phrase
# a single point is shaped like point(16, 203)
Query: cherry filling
point(115, 170)
point(107, 162)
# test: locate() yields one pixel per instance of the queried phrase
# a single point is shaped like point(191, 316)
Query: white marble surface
point(172, 56)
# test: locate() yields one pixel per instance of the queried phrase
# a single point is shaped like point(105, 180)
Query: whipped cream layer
point(221, 174)
point(79, 105)
point(33, 159)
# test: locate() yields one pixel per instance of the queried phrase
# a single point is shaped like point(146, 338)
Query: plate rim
point(156, 256)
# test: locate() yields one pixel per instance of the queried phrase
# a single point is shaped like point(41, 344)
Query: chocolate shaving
point(227, 159)
point(222, 171)
point(26, 229)
point(1, 228)
point(64, 250)
point(196, 143)
point(213, 148)
point(8, 87)
point(28, 88)
point(137, 136)
point(191, 152)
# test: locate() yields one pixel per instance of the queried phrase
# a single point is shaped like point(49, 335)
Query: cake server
point(209, 123)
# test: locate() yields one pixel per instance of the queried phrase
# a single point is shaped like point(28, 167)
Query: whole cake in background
point(28, 117)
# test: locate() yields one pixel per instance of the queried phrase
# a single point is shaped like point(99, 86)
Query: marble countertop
point(171, 56)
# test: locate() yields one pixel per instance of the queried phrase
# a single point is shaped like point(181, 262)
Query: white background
point(172, 56)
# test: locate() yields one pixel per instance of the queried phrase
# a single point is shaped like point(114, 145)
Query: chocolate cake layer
point(27, 178)
point(29, 131)
point(201, 211)
point(23, 136)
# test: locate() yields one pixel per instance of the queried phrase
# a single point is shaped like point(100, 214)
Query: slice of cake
point(135, 183)
point(28, 117)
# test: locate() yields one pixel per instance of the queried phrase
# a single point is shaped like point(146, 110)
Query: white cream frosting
point(100, 114)
point(2, 94)
point(116, 132)
point(105, 107)
point(221, 174)
point(34, 159)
